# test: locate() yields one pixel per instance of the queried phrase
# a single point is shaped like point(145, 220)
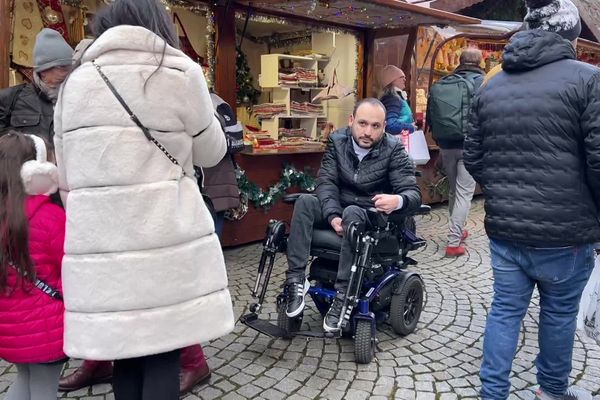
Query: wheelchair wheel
point(364, 345)
point(291, 325)
point(406, 307)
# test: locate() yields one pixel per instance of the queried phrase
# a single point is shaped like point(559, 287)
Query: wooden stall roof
point(454, 5)
point(362, 14)
point(590, 13)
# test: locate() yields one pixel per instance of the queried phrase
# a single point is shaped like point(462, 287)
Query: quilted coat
point(344, 180)
point(534, 144)
point(398, 115)
point(26, 109)
point(31, 322)
point(143, 271)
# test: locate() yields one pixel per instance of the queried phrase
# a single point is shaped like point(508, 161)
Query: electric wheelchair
point(381, 287)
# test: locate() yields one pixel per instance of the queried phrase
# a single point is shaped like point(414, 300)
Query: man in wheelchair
point(363, 167)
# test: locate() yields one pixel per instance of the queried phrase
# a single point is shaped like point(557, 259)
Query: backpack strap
point(470, 83)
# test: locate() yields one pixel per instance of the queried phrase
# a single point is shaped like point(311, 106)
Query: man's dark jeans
point(560, 275)
point(307, 217)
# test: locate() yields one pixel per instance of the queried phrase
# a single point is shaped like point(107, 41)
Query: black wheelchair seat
point(326, 244)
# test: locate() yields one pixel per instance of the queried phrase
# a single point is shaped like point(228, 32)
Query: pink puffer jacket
point(31, 322)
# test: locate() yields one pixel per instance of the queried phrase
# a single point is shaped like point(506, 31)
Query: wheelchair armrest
point(424, 209)
point(291, 198)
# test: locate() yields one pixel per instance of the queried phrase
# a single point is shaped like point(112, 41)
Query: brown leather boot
point(88, 374)
point(190, 378)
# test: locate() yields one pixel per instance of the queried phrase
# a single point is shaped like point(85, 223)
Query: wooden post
point(5, 26)
point(407, 67)
point(225, 52)
point(361, 71)
point(369, 63)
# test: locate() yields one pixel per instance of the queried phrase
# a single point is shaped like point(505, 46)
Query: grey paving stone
point(441, 358)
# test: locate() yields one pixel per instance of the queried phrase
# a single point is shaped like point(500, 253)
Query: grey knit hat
point(559, 16)
point(51, 50)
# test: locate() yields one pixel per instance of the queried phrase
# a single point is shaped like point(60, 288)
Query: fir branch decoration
point(265, 199)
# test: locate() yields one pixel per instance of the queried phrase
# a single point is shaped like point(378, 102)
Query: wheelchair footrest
point(265, 327)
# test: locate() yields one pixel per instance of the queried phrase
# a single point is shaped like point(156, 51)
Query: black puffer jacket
point(25, 109)
point(534, 144)
point(344, 181)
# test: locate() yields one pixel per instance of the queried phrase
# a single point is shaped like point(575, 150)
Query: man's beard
point(51, 93)
point(372, 144)
point(362, 146)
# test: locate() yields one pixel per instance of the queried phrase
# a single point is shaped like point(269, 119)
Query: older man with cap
point(29, 108)
point(533, 145)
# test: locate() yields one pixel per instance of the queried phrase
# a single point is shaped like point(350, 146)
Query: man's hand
point(336, 224)
point(386, 202)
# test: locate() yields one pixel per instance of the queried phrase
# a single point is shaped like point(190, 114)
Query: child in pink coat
point(32, 232)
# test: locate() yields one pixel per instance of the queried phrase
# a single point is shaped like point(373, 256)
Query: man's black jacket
point(534, 144)
point(27, 110)
point(344, 181)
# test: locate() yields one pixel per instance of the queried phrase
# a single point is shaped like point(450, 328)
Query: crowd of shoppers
point(125, 268)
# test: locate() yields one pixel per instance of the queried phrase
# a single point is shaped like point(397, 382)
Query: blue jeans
point(560, 275)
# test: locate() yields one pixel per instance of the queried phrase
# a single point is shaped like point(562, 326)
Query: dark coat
point(26, 109)
point(220, 184)
point(534, 144)
point(344, 180)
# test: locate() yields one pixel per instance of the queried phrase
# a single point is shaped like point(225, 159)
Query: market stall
point(309, 61)
point(437, 53)
point(294, 70)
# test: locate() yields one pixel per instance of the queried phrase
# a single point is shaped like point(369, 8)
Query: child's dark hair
point(15, 150)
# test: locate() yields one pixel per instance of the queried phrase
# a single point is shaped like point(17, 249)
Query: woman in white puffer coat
point(143, 271)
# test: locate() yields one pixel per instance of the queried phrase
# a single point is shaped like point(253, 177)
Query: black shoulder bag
point(43, 286)
point(146, 131)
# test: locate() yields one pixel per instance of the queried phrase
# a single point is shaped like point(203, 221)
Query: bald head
point(471, 56)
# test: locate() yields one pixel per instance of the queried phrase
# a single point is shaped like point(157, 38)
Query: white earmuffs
point(39, 176)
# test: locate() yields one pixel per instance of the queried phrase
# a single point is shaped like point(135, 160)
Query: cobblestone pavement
point(438, 361)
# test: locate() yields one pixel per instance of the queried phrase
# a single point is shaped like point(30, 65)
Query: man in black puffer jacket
point(363, 167)
point(534, 146)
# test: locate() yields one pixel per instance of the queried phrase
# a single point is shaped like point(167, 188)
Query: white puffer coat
point(143, 271)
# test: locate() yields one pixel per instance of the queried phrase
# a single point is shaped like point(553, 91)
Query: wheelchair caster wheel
point(254, 308)
point(364, 342)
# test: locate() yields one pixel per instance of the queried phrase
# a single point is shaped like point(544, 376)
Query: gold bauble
point(51, 16)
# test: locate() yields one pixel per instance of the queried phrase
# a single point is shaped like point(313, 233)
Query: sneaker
point(295, 297)
point(331, 321)
point(457, 251)
point(571, 394)
point(464, 236)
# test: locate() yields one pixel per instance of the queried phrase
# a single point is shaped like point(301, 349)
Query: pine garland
point(290, 176)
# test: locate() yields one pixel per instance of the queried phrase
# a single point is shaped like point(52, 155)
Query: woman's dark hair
point(15, 150)
point(149, 14)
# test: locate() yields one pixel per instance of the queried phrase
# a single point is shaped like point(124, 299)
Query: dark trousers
point(191, 359)
point(307, 217)
point(154, 377)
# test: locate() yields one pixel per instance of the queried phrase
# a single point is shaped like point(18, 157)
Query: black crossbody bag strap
point(135, 119)
point(43, 286)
